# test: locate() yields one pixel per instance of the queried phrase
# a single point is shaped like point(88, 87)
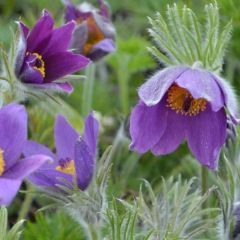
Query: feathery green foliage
point(183, 39)
point(176, 211)
point(15, 232)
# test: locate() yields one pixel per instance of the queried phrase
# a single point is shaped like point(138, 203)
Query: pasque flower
point(13, 135)
point(74, 158)
point(94, 35)
point(183, 103)
point(43, 57)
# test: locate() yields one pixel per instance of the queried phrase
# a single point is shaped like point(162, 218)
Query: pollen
point(181, 100)
point(67, 167)
point(2, 163)
point(39, 64)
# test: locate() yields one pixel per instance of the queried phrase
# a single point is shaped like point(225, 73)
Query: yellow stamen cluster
point(68, 167)
point(40, 64)
point(2, 163)
point(181, 100)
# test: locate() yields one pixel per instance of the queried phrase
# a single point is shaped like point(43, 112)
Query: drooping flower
point(74, 158)
point(13, 135)
point(94, 35)
point(183, 103)
point(43, 57)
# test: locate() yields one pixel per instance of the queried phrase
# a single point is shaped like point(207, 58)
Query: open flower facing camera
point(43, 57)
point(94, 35)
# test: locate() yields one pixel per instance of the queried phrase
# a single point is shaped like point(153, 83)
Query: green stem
point(204, 180)
point(123, 85)
point(27, 203)
point(94, 232)
point(91, 231)
point(88, 89)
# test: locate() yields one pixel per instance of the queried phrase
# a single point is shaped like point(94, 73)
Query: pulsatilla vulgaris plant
point(75, 157)
point(43, 55)
point(72, 180)
point(94, 35)
point(39, 60)
point(188, 100)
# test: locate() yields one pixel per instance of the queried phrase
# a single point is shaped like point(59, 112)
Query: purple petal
point(40, 31)
point(173, 135)
point(71, 13)
point(34, 148)
point(101, 49)
point(31, 75)
point(105, 26)
point(152, 91)
point(63, 63)
point(147, 124)
point(65, 138)
point(13, 132)
point(26, 166)
point(201, 84)
point(66, 87)
point(24, 30)
point(104, 9)
point(8, 190)
point(206, 133)
point(21, 48)
point(60, 40)
point(80, 36)
point(230, 99)
point(50, 178)
point(84, 163)
point(91, 133)
point(106, 45)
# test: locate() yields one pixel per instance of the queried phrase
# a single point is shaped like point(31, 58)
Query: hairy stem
point(88, 89)
point(27, 203)
point(204, 180)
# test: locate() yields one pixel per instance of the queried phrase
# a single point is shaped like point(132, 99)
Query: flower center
point(95, 35)
point(66, 166)
point(2, 163)
point(181, 100)
point(38, 63)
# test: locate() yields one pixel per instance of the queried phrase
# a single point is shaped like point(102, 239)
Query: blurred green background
point(117, 79)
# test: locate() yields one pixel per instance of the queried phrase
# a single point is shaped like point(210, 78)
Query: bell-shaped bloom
point(13, 136)
point(43, 58)
point(183, 103)
point(94, 35)
point(74, 159)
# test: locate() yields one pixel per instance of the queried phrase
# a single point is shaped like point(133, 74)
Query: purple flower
point(183, 103)
point(94, 35)
point(13, 135)
point(42, 56)
point(74, 159)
